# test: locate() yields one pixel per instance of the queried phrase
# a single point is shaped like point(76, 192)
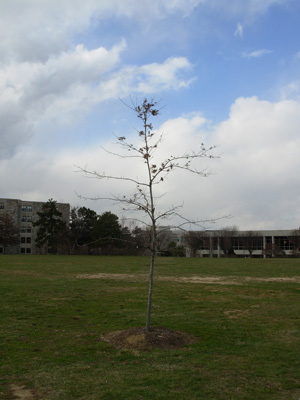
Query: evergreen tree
point(51, 228)
point(107, 230)
point(82, 226)
point(8, 232)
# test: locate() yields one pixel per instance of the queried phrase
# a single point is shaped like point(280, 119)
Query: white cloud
point(248, 9)
point(47, 76)
point(164, 75)
point(67, 85)
point(256, 53)
point(259, 165)
point(31, 92)
point(291, 90)
point(256, 180)
point(239, 32)
point(32, 30)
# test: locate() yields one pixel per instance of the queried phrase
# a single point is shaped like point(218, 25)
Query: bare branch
point(103, 175)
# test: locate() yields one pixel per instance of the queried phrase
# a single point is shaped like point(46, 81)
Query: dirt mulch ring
point(156, 338)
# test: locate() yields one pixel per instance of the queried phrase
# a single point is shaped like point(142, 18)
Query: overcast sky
point(225, 72)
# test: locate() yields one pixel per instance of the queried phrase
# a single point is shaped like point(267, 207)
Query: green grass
point(51, 322)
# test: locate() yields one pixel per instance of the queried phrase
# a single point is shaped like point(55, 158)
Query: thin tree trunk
point(149, 306)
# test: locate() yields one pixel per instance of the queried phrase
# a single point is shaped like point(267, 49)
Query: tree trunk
point(150, 290)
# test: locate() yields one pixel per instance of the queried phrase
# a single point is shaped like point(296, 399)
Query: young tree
point(143, 197)
point(9, 234)
point(52, 229)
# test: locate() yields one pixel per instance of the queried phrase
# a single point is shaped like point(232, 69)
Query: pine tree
point(8, 232)
point(51, 227)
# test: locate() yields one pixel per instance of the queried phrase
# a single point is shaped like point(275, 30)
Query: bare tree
point(251, 241)
point(226, 236)
point(143, 197)
point(294, 239)
point(197, 240)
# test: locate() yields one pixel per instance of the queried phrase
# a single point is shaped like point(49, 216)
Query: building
point(24, 213)
point(262, 243)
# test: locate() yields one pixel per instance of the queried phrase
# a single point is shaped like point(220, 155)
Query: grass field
point(244, 312)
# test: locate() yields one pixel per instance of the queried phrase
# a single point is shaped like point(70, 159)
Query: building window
point(22, 239)
point(23, 219)
point(284, 243)
point(29, 218)
point(23, 250)
point(28, 251)
point(28, 240)
point(204, 244)
point(25, 229)
point(238, 244)
point(1, 206)
point(26, 208)
point(215, 243)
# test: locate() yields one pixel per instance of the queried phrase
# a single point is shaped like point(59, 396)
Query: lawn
point(245, 314)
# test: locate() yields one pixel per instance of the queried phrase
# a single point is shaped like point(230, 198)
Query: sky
point(225, 73)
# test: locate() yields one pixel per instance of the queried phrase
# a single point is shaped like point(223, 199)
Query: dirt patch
point(20, 392)
point(119, 277)
point(143, 278)
point(218, 280)
point(156, 338)
point(236, 314)
point(291, 279)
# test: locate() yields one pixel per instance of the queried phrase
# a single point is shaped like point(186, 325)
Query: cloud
point(248, 9)
point(45, 77)
point(239, 31)
point(49, 79)
point(68, 85)
point(32, 30)
point(291, 90)
point(32, 92)
point(256, 179)
point(256, 53)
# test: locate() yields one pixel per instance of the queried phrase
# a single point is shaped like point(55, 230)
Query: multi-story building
point(23, 214)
